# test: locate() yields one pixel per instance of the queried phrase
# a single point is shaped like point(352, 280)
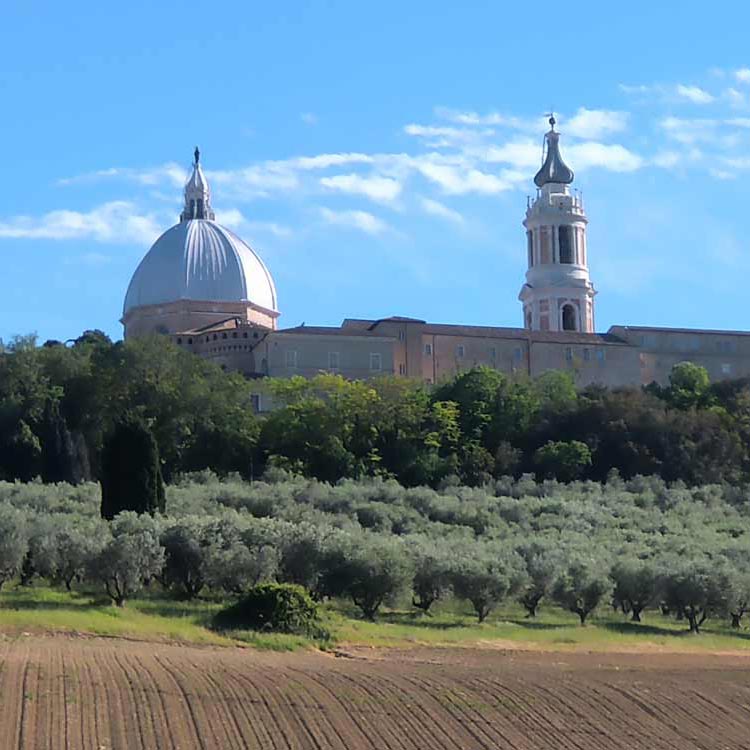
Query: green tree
point(485, 579)
point(375, 571)
point(580, 587)
point(130, 558)
point(131, 470)
point(637, 583)
point(698, 590)
point(562, 460)
point(689, 386)
point(13, 542)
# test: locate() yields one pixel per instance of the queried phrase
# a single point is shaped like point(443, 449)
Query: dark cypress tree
point(131, 470)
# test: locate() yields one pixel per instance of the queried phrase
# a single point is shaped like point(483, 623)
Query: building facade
point(210, 292)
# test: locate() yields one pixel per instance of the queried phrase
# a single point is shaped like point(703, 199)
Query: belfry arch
point(569, 318)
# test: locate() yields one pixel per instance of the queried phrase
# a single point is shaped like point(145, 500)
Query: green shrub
point(278, 607)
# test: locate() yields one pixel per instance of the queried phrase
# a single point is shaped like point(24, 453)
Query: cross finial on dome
point(197, 155)
point(552, 121)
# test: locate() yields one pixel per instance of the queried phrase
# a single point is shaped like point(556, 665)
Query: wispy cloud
point(360, 220)
point(114, 222)
point(610, 156)
point(309, 118)
point(436, 208)
point(596, 123)
point(742, 75)
point(382, 189)
point(171, 173)
point(234, 219)
point(694, 94)
point(461, 180)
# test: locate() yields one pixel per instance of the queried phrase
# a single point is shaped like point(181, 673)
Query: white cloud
point(459, 181)
point(170, 172)
point(324, 161)
point(361, 220)
point(435, 208)
point(115, 222)
point(234, 219)
point(614, 157)
point(638, 88)
point(382, 189)
point(309, 118)
point(689, 131)
point(694, 94)
point(520, 154)
point(445, 136)
point(742, 75)
point(595, 123)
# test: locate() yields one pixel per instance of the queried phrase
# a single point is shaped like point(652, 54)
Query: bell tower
point(558, 294)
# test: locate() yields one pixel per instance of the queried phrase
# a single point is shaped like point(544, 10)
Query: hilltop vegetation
point(58, 404)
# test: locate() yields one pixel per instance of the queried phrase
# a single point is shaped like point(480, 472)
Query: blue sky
point(377, 155)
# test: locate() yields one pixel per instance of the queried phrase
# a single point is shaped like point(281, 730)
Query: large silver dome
point(200, 260)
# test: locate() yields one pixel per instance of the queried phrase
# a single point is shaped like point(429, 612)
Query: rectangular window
point(428, 349)
point(726, 369)
point(517, 354)
point(493, 352)
point(600, 355)
point(530, 243)
point(460, 351)
point(291, 358)
point(568, 354)
point(565, 238)
point(255, 402)
point(545, 243)
point(586, 355)
point(402, 369)
point(376, 362)
point(333, 361)
point(401, 336)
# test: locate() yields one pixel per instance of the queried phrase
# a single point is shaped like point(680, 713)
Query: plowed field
point(69, 693)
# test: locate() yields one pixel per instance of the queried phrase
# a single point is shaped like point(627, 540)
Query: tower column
point(558, 294)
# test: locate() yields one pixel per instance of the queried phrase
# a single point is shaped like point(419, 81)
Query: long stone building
point(209, 291)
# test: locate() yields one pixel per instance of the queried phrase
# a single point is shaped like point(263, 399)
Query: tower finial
point(552, 121)
point(197, 155)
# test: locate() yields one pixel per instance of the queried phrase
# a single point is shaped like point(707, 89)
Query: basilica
point(208, 290)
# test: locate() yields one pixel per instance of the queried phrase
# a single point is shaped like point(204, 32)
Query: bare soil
point(66, 693)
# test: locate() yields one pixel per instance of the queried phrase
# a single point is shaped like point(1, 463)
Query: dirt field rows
point(64, 693)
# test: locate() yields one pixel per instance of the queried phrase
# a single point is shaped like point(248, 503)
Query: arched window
point(569, 318)
point(565, 237)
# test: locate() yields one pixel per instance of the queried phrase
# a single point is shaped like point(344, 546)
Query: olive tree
point(40, 558)
point(185, 557)
point(739, 597)
point(236, 568)
point(131, 557)
point(542, 565)
point(699, 589)
point(486, 578)
point(76, 543)
point(431, 580)
point(13, 542)
point(636, 585)
point(375, 571)
point(580, 587)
